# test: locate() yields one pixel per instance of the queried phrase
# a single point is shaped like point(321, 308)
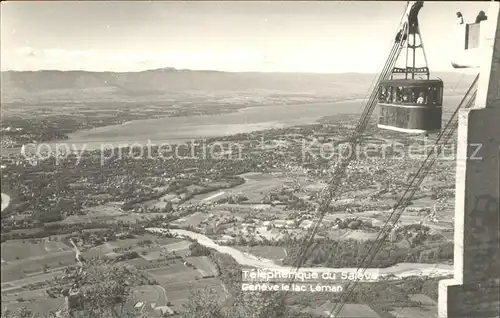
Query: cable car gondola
point(411, 104)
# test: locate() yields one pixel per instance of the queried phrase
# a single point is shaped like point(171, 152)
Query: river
point(5, 201)
point(401, 270)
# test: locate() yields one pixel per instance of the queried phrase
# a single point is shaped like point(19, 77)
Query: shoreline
point(255, 127)
point(239, 110)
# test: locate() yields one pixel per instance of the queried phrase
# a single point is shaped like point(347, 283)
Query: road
point(214, 196)
point(399, 271)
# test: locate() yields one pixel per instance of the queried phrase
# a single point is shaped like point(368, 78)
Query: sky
point(267, 36)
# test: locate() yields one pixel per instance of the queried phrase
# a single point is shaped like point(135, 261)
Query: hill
point(26, 86)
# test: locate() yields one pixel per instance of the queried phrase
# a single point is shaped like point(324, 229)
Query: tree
point(259, 305)
point(168, 207)
point(203, 304)
point(99, 288)
point(22, 312)
point(198, 250)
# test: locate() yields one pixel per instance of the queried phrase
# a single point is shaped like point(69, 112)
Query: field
point(191, 220)
point(155, 295)
point(256, 185)
point(208, 197)
point(177, 272)
point(133, 245)
point(254, 188)
point(23, 259)
point(177, 280)
point(178, 246)
point(28, 267)
point(429, 308)
point(40, 262)
point(160, 202)
point(110, 217)
point(18, 249)
point(30, 262)
point(261, 210)
point(35, 300)
point(275, 253)
point(204, 266)
point(349, 310)
point(27, 282)
point(40, 305)
point(178, 292)
point(110, 212)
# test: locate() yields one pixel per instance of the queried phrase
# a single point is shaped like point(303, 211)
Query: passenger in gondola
point(383, 94)
point(481, 16)
point(460, 18)
point(421, 98)
point(399, 94)
point(388, 95)
point(405, 98)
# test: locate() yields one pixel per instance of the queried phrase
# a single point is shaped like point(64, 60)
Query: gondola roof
point(412, 82)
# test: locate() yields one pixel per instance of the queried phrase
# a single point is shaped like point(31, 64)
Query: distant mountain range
point(21, 85)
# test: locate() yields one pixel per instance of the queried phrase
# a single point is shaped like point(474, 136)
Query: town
point(261, 204)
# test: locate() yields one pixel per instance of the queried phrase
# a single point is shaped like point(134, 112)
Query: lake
point(182, 129)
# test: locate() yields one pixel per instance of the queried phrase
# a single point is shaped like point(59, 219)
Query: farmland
point(16, 250)
point(31, 266)
point(275, 253)
point(176, 279)
point(26, 259)
point(179, 292)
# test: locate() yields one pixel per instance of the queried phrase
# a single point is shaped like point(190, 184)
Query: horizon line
point(207, 70)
